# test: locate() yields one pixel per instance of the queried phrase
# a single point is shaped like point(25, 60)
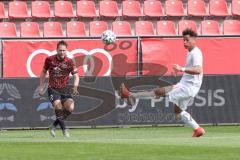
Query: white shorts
point(180, 95)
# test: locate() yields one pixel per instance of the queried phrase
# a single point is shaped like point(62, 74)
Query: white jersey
point(193, 82)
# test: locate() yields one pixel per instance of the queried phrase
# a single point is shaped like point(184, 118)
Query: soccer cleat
point(52, 131)
point(66, 133)
point(198, 132)
point(123, 91)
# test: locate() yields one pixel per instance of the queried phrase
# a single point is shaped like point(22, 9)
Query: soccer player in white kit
point(184, 91)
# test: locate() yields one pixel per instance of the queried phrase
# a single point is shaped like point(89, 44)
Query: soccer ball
point(108, 37)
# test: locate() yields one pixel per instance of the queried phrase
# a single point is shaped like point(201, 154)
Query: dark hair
point(62, 42)
point(190, 32)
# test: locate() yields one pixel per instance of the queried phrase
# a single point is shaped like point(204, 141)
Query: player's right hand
point(41, 91)
point(176, 68)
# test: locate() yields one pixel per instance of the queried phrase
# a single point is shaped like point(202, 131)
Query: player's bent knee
point(177, 109)
point(160, 91)
point(57, 104)
point(69, 105)
point(163, 91)
point(70, 109)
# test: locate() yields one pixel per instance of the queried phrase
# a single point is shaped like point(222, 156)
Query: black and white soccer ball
point(108, 37)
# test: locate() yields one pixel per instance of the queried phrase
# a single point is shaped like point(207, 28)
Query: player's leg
point(188, 120)
point(59, 113)
point(131, 96)
point(68, 107)
point(125, 93)
point(55, 99)
point(181, 96)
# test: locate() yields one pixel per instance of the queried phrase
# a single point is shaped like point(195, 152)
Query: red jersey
point(59, 71)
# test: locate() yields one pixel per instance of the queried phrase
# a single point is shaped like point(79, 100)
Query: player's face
point(62, 51)
point(189, 42)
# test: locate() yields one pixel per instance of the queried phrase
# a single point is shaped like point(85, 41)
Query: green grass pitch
point(158, 143)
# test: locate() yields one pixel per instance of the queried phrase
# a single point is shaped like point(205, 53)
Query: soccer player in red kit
point(59, 67)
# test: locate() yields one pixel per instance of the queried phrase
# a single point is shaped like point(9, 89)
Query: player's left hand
point(176, 68)
point(75, 91)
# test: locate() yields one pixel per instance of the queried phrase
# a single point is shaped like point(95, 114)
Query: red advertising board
point(25, 58)
point(220, 55)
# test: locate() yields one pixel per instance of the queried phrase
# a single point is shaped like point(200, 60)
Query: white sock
point(143, 94)
point(187, 119)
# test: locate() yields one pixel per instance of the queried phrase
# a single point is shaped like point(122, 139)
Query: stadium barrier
point(217, 102)
point(99, 103)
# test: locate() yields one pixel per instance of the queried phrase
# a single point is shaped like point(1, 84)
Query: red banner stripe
point(220, 55)
point(25, 58)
